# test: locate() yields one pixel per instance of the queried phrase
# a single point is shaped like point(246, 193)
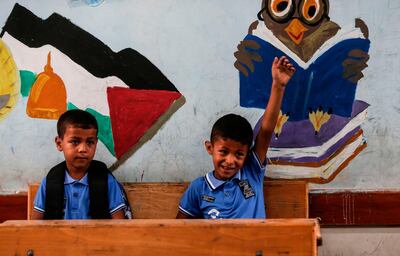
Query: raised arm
point(282, 71)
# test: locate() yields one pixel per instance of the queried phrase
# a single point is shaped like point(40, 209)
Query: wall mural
point(9, 81)
point(318, 131)
point(127, 94)
point(47, 97)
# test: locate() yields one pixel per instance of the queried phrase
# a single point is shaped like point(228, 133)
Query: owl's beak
point(295, 30)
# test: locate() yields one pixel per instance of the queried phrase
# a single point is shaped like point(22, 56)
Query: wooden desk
point(155, 237)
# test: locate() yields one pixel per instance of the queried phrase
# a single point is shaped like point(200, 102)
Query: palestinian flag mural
point(63, 67)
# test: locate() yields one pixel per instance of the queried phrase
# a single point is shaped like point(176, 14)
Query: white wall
point(360, 242)
point(192, 43)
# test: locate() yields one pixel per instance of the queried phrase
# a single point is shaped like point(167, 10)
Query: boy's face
point(78, 146)
point(228, 156)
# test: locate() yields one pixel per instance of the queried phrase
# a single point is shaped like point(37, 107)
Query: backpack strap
point(54, 202)
point(98, 190)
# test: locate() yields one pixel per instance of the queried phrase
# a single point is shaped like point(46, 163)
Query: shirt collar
point(214, 183)
point(69, 180)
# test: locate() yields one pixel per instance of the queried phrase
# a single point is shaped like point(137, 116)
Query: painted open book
point(319, 128)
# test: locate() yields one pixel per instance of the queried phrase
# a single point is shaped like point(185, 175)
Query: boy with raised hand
point(79, 187)
point(234, 189)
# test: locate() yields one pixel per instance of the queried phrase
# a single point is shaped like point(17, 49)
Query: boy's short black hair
point(76, 118)
point(234, 127)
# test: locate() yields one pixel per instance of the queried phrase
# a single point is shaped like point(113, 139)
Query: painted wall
point(192, 43)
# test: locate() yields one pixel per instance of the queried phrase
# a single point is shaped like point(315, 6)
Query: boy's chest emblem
point(208, 198)
point(213, 213)
point(246, 189)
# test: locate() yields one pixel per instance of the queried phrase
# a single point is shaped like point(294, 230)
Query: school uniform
point(76, 197)
point(239, 197)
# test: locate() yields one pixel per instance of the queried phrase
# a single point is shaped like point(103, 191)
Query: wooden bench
point(283, 199)
point(160, 237)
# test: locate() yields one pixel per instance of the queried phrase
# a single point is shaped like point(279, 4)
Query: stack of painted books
point(315, 152)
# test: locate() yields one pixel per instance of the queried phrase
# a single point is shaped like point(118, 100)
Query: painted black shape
point(86, 50)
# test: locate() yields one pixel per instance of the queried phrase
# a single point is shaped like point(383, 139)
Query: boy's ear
point(208, 146)
point(58, 141)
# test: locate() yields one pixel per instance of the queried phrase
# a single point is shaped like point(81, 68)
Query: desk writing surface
point(152, 237)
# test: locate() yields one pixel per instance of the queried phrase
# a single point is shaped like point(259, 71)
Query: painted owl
point(329, 60)
point(318, 130)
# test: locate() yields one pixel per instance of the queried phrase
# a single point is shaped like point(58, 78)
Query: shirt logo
point(208, 198)
point(246, 189)
point(213, 213)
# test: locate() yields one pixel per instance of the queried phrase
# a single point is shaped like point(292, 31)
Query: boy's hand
point(282, 70)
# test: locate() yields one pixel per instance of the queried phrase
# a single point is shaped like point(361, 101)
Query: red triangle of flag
point(133, 112)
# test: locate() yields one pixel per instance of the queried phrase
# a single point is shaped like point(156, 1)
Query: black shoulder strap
point(98, 190)
point(54, 203)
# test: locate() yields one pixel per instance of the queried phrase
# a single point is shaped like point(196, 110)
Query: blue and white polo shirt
point(76, 197)
point(239, 197)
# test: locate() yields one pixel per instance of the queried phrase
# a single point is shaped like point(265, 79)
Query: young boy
point(79, 187)
point(235, 188)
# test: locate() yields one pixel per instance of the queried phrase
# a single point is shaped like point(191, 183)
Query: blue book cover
point(317, 84)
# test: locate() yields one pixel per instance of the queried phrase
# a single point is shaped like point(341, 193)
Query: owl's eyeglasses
point(291, 15)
